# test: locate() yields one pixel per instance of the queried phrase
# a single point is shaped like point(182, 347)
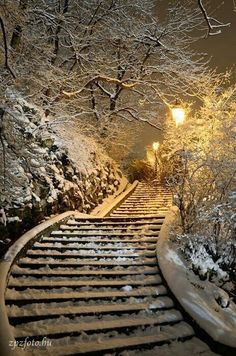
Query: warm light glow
point(178, 115)
point(155, 146)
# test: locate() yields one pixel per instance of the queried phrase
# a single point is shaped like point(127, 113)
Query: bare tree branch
point(2, 112)
point(109, 80)
point(133, 115)
point(214, 26)
point(6, 48)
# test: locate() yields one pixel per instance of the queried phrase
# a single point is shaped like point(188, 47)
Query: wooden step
point(37, 295)
point(167, 316)
point(131, 205)
point(84, 272)
point(146, 198)
point(153, 337)
point(158, 303)
point(100, 233)
point(110, 227)
point(53, 246)
point(53, 283)
point(122, 220)
point(102, 223)
point(109, 232)
point(148, 215)
point(82, 254)
point(131, 214)
point(92, 262)
point(98, 240)
point(151, 200)
point(140, 210)
point(158, 207)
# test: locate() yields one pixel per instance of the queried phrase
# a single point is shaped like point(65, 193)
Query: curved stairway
point(93, 287)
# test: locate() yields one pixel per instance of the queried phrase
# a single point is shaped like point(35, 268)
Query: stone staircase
point(146, 200)
point(93, 286)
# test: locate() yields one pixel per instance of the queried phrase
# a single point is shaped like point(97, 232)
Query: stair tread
point(157, 303)
point(82, 254)
point(100, 233)
point(29, 294)
point(41, 245)
point(57, 272)
point(98, 324)
point(128, 262)
point(115, 223)
point(112, 227)
point(22, 282)
point(113, 240)
point(106, 219)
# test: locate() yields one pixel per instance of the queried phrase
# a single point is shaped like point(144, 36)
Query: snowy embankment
point(47, 167)
point(206, 303)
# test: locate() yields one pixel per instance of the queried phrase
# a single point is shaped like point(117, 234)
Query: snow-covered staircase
point(93, 286)
point(145, 200)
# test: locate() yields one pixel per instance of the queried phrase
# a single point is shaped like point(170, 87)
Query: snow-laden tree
point(199, 165)
point(199, 155)
point(100, 61)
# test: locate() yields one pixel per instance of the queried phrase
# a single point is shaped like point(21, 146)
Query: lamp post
point(178, 113)
point(155, 147)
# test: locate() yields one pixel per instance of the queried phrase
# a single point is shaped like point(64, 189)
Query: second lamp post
point(155, 147)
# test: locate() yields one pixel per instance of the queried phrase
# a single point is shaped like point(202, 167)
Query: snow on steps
point(47, 271)
point(66, 325)
point(54, 282)
point(102, 342)
point(6, 334)
point(92, 285)
point(69, 293)
point(120, 261)
point(99, 233)
point(48, 310)
point(95, 239)
point(77, 246)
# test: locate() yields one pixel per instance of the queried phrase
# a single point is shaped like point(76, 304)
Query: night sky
point(222, 48)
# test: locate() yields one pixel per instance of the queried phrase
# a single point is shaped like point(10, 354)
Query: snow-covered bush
point(202, 254)
point(47, 169)
point(204, 257)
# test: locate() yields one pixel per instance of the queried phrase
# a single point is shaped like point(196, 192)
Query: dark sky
point(222, 47)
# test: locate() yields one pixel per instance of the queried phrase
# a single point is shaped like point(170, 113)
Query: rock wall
point(45, 172)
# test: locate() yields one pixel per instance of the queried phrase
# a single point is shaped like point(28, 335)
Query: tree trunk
point(57, 33)
point(112, 104)
point(16, 36)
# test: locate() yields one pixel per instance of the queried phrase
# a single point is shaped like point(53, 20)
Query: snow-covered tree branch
point(214, 25)
point(104, 56)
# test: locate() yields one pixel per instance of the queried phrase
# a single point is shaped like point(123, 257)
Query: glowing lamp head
point(155, 146)
point(178, 113)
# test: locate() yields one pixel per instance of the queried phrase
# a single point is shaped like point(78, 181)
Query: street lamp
point(155, 147)
point(178, 113)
